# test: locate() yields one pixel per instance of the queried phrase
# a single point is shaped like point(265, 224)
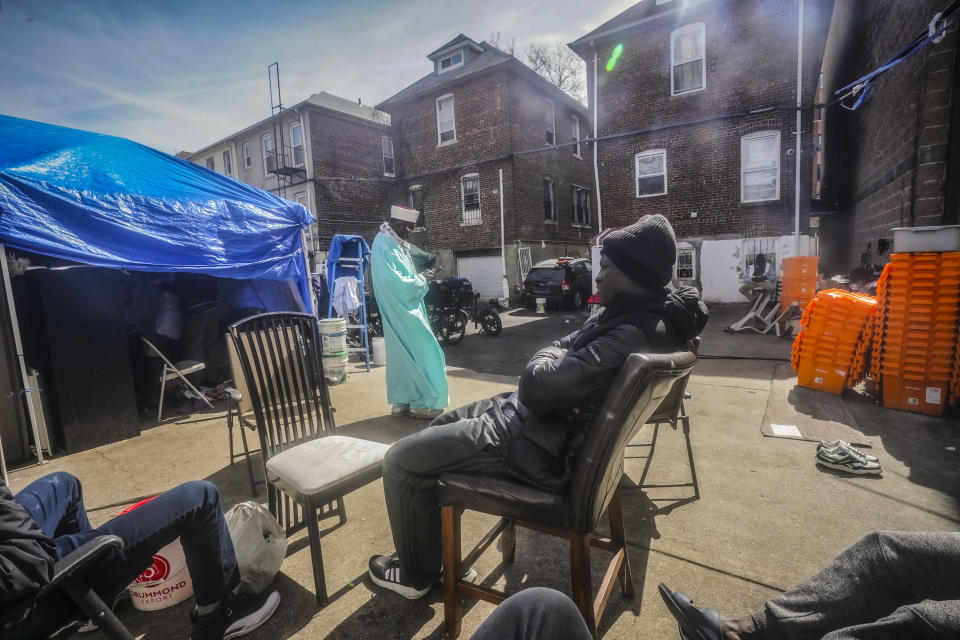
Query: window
point(549, 202)
point(227, 165)
point(387, 144)
point(470, 198)
point(415, 200)
point(247, 159)
point(296, 143)
point(651, 173)
point(766, 246)
point(210, 164)
point(550, 123)
point(575, 135)
point(580, 199)
point(687, 59)
point(685, 268)
point(455, 59)
point(446, 124)
point(760, 166)
point(267, 142)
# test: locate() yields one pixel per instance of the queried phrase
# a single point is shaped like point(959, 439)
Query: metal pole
point(796, 194)
point(18, 346)
point(596, 134)
point(306, 270)
point(503, 254)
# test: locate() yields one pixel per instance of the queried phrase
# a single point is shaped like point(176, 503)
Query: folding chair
point(762, 316)
point(172, 372)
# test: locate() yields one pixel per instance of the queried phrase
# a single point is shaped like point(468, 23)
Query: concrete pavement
point(767, 517)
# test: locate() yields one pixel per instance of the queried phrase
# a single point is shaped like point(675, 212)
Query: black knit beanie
point(645, 251)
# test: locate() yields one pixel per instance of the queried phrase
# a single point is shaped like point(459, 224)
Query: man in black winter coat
point(534, 435)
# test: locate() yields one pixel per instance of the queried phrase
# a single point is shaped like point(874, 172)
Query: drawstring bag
point(259, 543)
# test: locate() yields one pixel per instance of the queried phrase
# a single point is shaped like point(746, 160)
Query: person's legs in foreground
point(410, 471)
point(534, 614)
point(191, 512)
point(874, 589)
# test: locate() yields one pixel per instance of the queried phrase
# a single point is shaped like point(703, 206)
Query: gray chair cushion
point(331, 465)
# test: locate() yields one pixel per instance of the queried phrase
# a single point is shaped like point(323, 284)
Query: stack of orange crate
point(832, 329)
point(919, 346)
point(879, 328)
point(799, 281)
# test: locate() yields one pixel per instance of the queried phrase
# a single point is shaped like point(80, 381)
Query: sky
point(180, 74)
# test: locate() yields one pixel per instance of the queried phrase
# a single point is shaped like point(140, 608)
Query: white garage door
point(485, 274)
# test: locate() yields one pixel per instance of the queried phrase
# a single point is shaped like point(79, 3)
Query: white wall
point(720, 270)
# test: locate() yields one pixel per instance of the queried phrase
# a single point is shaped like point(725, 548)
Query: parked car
point(564, 282)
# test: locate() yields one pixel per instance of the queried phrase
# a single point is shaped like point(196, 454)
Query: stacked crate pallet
point(798, 281)
point(829, 353)
point(918, 368)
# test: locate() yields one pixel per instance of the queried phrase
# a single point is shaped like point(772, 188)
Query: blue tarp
point(111, 202)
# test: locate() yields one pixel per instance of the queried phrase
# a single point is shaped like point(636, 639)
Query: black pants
point(534, 614)
point(468, 440)
point(889, 585)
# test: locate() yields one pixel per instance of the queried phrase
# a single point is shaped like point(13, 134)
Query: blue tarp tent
point(110, 202)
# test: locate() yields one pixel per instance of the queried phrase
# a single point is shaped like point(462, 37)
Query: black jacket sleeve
point(26, 553)
point(556, 380)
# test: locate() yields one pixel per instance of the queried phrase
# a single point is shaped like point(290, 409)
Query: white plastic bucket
point(333, 335)
point(166, 581)
point(335, 367)
point(541, 305)
point(379, 352)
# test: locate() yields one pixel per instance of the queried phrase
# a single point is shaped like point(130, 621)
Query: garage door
point(485, 274)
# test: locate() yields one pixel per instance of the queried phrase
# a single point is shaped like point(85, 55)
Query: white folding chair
point(172, 372)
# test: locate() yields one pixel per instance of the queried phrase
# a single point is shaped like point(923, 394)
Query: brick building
point(336, 161)
point(889, 163)
point(699, 97)
point(477, 112)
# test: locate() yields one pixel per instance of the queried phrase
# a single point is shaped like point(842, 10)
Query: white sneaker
point(400, 410)
point(850, 461)
point(834, 444)
point(425, 414)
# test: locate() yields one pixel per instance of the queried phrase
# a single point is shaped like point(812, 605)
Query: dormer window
point(446, 63)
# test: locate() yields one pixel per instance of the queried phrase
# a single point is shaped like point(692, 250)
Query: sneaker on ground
point(236, 617)
point(400, 410)
point(833, 444)
point(425, 414)
point(470, 576)
point(849, 461)
point(91, 626)
point(385, 571)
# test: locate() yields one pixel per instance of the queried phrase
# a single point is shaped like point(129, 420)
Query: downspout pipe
point(596, 134)
point(796, 195)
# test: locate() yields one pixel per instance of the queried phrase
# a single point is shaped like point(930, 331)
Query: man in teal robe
point(416, 369)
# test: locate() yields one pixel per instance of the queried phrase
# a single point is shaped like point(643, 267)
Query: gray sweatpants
point(891, 585)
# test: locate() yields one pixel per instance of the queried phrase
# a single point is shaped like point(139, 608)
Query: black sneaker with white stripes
point(385, 571)
point(849, 460)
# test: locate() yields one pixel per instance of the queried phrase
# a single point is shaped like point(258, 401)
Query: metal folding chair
point(173, 372)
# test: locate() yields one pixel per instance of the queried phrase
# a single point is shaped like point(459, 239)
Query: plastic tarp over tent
point(110, 202)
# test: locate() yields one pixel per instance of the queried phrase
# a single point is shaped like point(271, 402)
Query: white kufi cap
point(405, 214)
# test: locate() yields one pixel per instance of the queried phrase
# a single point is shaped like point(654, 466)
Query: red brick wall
point(352, 194)
point(750, 64)
point(496, 114)
point(887, 166)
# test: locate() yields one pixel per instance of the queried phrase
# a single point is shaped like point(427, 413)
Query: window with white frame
point(227, 165)
point(580, 201)
point(550, 122)
point(549, 201)
point(760, 166)
point(688, 67)
point(685, 267)
point(575, 134)
point(247, 157)
point(267, 144)
point(446, 123)
point(415, 200)
point(296, 143)
point(651, 173)
point(470, 198)
point(388, 165)
point(451, 61)
point(210, 164)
